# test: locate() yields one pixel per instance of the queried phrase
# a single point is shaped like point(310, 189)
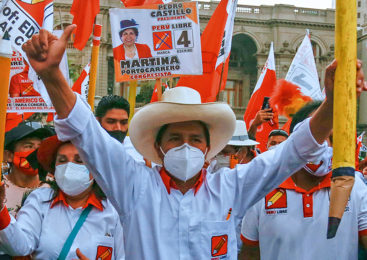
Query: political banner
point(303, 71)
point(23, 97)
point(23, 18)
point(156, 41)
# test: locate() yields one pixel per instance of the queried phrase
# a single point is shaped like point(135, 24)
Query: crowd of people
point(187, 182)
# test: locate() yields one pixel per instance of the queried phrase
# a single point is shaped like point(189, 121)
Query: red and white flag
point(155, 91)
point(264, 88)
point(216, 42)
point(303, 71)
point(81, 85)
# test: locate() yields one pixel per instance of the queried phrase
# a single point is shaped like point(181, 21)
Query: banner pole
point(94, 64)
point(344, 128)
point(5, 62)
point(158, 82)
point(132, 97)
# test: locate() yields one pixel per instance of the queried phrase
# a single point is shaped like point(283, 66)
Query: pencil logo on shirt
point(276, 199)
point(219, 245)
point(104, 253)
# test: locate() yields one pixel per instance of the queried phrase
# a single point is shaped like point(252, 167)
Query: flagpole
point(132, 97)
point(344, 128)
point(158, 82)
point(5, 62)
point(221, 77)
point(94, 64)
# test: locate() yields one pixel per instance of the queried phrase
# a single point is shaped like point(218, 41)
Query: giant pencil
point(344, 135)
point(94, 64)
point(5, 59)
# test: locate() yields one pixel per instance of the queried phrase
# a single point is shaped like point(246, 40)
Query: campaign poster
point(156, 41)
point(23, 97)
point(23, 18)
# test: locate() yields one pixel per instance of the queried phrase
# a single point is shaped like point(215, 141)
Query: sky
point(318, 4)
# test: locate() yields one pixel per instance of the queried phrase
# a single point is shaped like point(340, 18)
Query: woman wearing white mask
point(71, 220)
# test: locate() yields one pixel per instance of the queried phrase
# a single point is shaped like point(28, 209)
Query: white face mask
point(72, 178)
point(222, 160)
point(184, 162)
point(273, 147)
point(323, 167)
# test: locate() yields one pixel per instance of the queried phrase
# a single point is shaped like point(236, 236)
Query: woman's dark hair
point(134, 29)
point(163, 129)
point(304, 113)
point(111, 102)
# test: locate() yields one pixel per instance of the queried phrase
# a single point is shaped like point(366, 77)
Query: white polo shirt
point(159, 221)
point(291, 223)
point(43, 227)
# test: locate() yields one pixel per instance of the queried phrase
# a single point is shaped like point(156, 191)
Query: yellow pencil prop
point(94, 64)
point(344, 134)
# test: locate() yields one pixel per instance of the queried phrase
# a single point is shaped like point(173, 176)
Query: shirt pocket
point(216, 239)
point(104, 247)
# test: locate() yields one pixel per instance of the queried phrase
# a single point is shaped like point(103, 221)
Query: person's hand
point(2, 195)
point(80, 255)
point(45, 51)
point(263, 116)
point(361, 85)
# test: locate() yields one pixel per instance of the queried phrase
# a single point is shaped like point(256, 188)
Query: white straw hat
point(240, 136)
point(181, 104)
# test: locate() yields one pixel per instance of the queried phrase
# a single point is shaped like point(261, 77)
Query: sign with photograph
point(156, 41)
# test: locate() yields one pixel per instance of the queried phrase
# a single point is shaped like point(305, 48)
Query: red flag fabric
point(13, 120)
point(216, 42)
point(84, 13)
point(155, 91)
point(264, 88)
point(287, 125)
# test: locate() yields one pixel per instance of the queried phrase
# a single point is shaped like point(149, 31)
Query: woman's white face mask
point(183, 162)
point(72, 178)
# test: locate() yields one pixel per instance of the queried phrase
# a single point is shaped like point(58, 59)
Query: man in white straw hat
point(239, 149)
point(176, 211)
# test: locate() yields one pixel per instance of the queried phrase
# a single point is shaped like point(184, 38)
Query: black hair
point(111, 102)
point(133, 28)
point(304, 113)
point(278, 132)
point(163, 129)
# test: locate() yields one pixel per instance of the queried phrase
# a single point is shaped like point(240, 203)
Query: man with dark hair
point(20, 144)
point(276, 137)
point(113, 113)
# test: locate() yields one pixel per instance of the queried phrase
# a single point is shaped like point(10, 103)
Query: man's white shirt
point(290, 223)
point(162, 225)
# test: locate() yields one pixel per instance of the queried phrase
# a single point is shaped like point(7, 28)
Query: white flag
point(303, 72)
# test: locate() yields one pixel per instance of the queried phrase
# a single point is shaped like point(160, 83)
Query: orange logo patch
point(219, 245)
point(104, 253)
point(162, 40)
point(276, 199)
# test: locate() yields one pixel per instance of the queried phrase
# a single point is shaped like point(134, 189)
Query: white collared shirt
point(43, 230)
point(294, 224)
point(162, 226)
